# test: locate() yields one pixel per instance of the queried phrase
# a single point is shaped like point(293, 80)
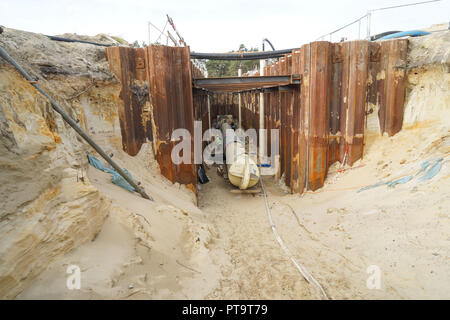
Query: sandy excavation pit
point(57, 210)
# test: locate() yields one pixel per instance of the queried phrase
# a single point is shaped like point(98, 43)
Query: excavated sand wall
point(427, 98)
point(428, 95)
point(47, 204)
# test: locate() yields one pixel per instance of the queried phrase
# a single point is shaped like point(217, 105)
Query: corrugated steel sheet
point(128, 64)
point(157, 98)
point(320, 120)
point(319, 114)
point(171, 99)
point(357, 93)
point(391, 84)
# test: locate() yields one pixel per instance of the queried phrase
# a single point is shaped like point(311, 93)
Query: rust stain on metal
point(335, 101)
point(304, 69)
point(125, 63)
point(320, 119)
point(319, 115)
point(391, 84)
point(169, 72)
point(359, 58)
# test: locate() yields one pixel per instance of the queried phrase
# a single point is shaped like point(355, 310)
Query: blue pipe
point(411, 33)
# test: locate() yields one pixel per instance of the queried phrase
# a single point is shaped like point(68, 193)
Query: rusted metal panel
point(255, 106)
point(391, 84)
point(343, 100)
point(172, 105)
point(289, 64)
point(290, 101)
point(381, 88)
point(296, 184)
point(200, 100)
point(348, 100)
point(128, 64)
point(319, 115)
point(305, 71)
point(225, 103)
point(374, 59)
point(323, 119)
point(357, 91)
point(283, 133)
point(277, 68)
point(267, 120)
point(282, 66)
point(335, 102)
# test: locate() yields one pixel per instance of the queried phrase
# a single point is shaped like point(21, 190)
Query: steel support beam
point(236, 84)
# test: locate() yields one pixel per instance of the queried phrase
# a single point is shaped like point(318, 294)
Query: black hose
point(4, 54)
point(270, 43)
point(80, 41)
point(209, 56)
point(241, 56)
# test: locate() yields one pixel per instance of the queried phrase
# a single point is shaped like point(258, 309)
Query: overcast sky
point(218, 26)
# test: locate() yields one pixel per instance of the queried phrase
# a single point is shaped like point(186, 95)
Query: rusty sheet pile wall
point(157, 95)
point(323, 119)
point(200, 100)
point(128, 64)
point(224, 103)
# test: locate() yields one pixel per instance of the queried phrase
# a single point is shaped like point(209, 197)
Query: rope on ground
point(304, 272)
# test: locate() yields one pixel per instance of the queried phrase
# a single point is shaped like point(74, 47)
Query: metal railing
point(368, 17)
point(169, 37)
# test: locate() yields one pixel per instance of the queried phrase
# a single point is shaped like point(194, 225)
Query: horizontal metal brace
point(199, 82)
point(237, 84)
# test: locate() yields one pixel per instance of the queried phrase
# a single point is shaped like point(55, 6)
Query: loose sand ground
point(226, 249)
